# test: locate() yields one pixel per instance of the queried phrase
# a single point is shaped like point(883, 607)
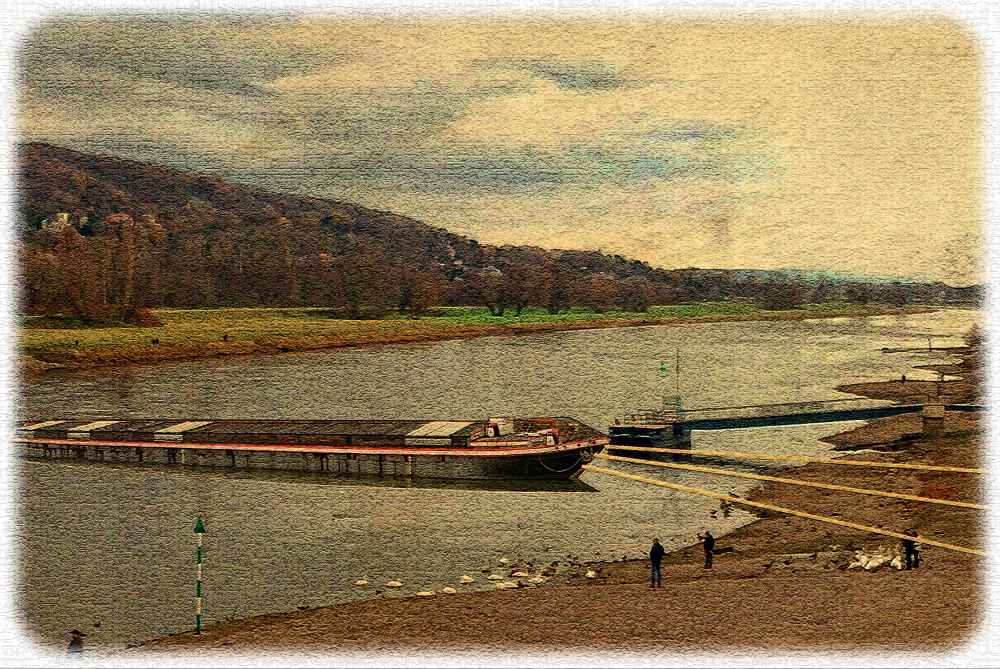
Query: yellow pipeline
point(800, 482)
point(796, 458)
point(781, 509)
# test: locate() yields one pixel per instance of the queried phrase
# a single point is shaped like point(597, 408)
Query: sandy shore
point(785, 585)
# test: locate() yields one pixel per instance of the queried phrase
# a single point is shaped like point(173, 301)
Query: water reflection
point(266, 476)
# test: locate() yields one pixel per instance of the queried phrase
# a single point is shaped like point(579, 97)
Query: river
point(109, 548)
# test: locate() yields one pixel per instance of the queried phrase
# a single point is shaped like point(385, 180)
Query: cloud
point(358, 120)
point(205, 99)
point(679, 142)
point(220, 54)
point(695, 132)
point(493, 169)
point(581, 77)
point(349, 113)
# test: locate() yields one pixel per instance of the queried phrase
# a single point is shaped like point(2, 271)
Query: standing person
point(708, 543)
point(911, 553)
point(75, 648)
point(655, 558)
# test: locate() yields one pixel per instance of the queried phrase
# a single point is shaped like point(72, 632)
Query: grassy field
point(480, 315)
point(206, 332)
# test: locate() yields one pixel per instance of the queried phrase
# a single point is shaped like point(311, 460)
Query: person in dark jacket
point(655, 558)
point(708, 543)
point(75, 648)
point(911, 553)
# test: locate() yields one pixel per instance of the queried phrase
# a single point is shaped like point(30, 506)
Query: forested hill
point(103, 236)
point(55, 180)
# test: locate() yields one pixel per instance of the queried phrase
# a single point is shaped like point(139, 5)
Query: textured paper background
point(980, 19)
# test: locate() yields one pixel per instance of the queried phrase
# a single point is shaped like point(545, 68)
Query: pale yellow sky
point(850, 146)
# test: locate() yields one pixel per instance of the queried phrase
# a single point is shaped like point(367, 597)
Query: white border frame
point(982, 19)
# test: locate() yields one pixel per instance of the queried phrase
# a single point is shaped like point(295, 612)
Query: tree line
point(111, 269)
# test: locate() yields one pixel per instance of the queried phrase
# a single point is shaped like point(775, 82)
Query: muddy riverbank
point(785, 585)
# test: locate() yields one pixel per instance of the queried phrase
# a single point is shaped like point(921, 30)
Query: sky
point(853, 146)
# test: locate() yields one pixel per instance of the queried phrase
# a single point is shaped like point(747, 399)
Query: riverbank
point(963, 390)
point(202, 333)
point(786, 584)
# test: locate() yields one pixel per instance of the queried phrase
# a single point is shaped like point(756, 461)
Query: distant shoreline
point(57, 351)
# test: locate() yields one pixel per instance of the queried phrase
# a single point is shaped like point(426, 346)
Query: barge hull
point(557, 464)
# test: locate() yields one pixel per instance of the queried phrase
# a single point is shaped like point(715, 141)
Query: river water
point(109, 548)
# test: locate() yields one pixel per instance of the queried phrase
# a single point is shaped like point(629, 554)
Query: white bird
point(361, 581)
point(519, 574)
point(449, 591)
point(425, 593)
point(591, 574)
point(393, 584)
point(467, 579)
point(495, 577)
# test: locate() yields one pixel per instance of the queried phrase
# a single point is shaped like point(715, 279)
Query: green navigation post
point(199, 531)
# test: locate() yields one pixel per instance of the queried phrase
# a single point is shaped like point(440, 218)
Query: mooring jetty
point(496, 448)
point(671, 428)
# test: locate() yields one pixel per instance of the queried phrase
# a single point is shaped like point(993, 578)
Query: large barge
point(497, 448)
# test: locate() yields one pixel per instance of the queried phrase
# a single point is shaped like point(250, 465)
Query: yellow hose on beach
point(800, 482)
point(781, 509)
point(796, 458)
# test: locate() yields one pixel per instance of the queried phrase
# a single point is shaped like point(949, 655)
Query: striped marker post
point(199, 531)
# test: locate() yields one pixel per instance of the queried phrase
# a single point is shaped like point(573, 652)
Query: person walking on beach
point(75, 648)
point(655, 558)
point(708, 543)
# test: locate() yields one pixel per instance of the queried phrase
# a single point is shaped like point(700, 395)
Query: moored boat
point(497, 448)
